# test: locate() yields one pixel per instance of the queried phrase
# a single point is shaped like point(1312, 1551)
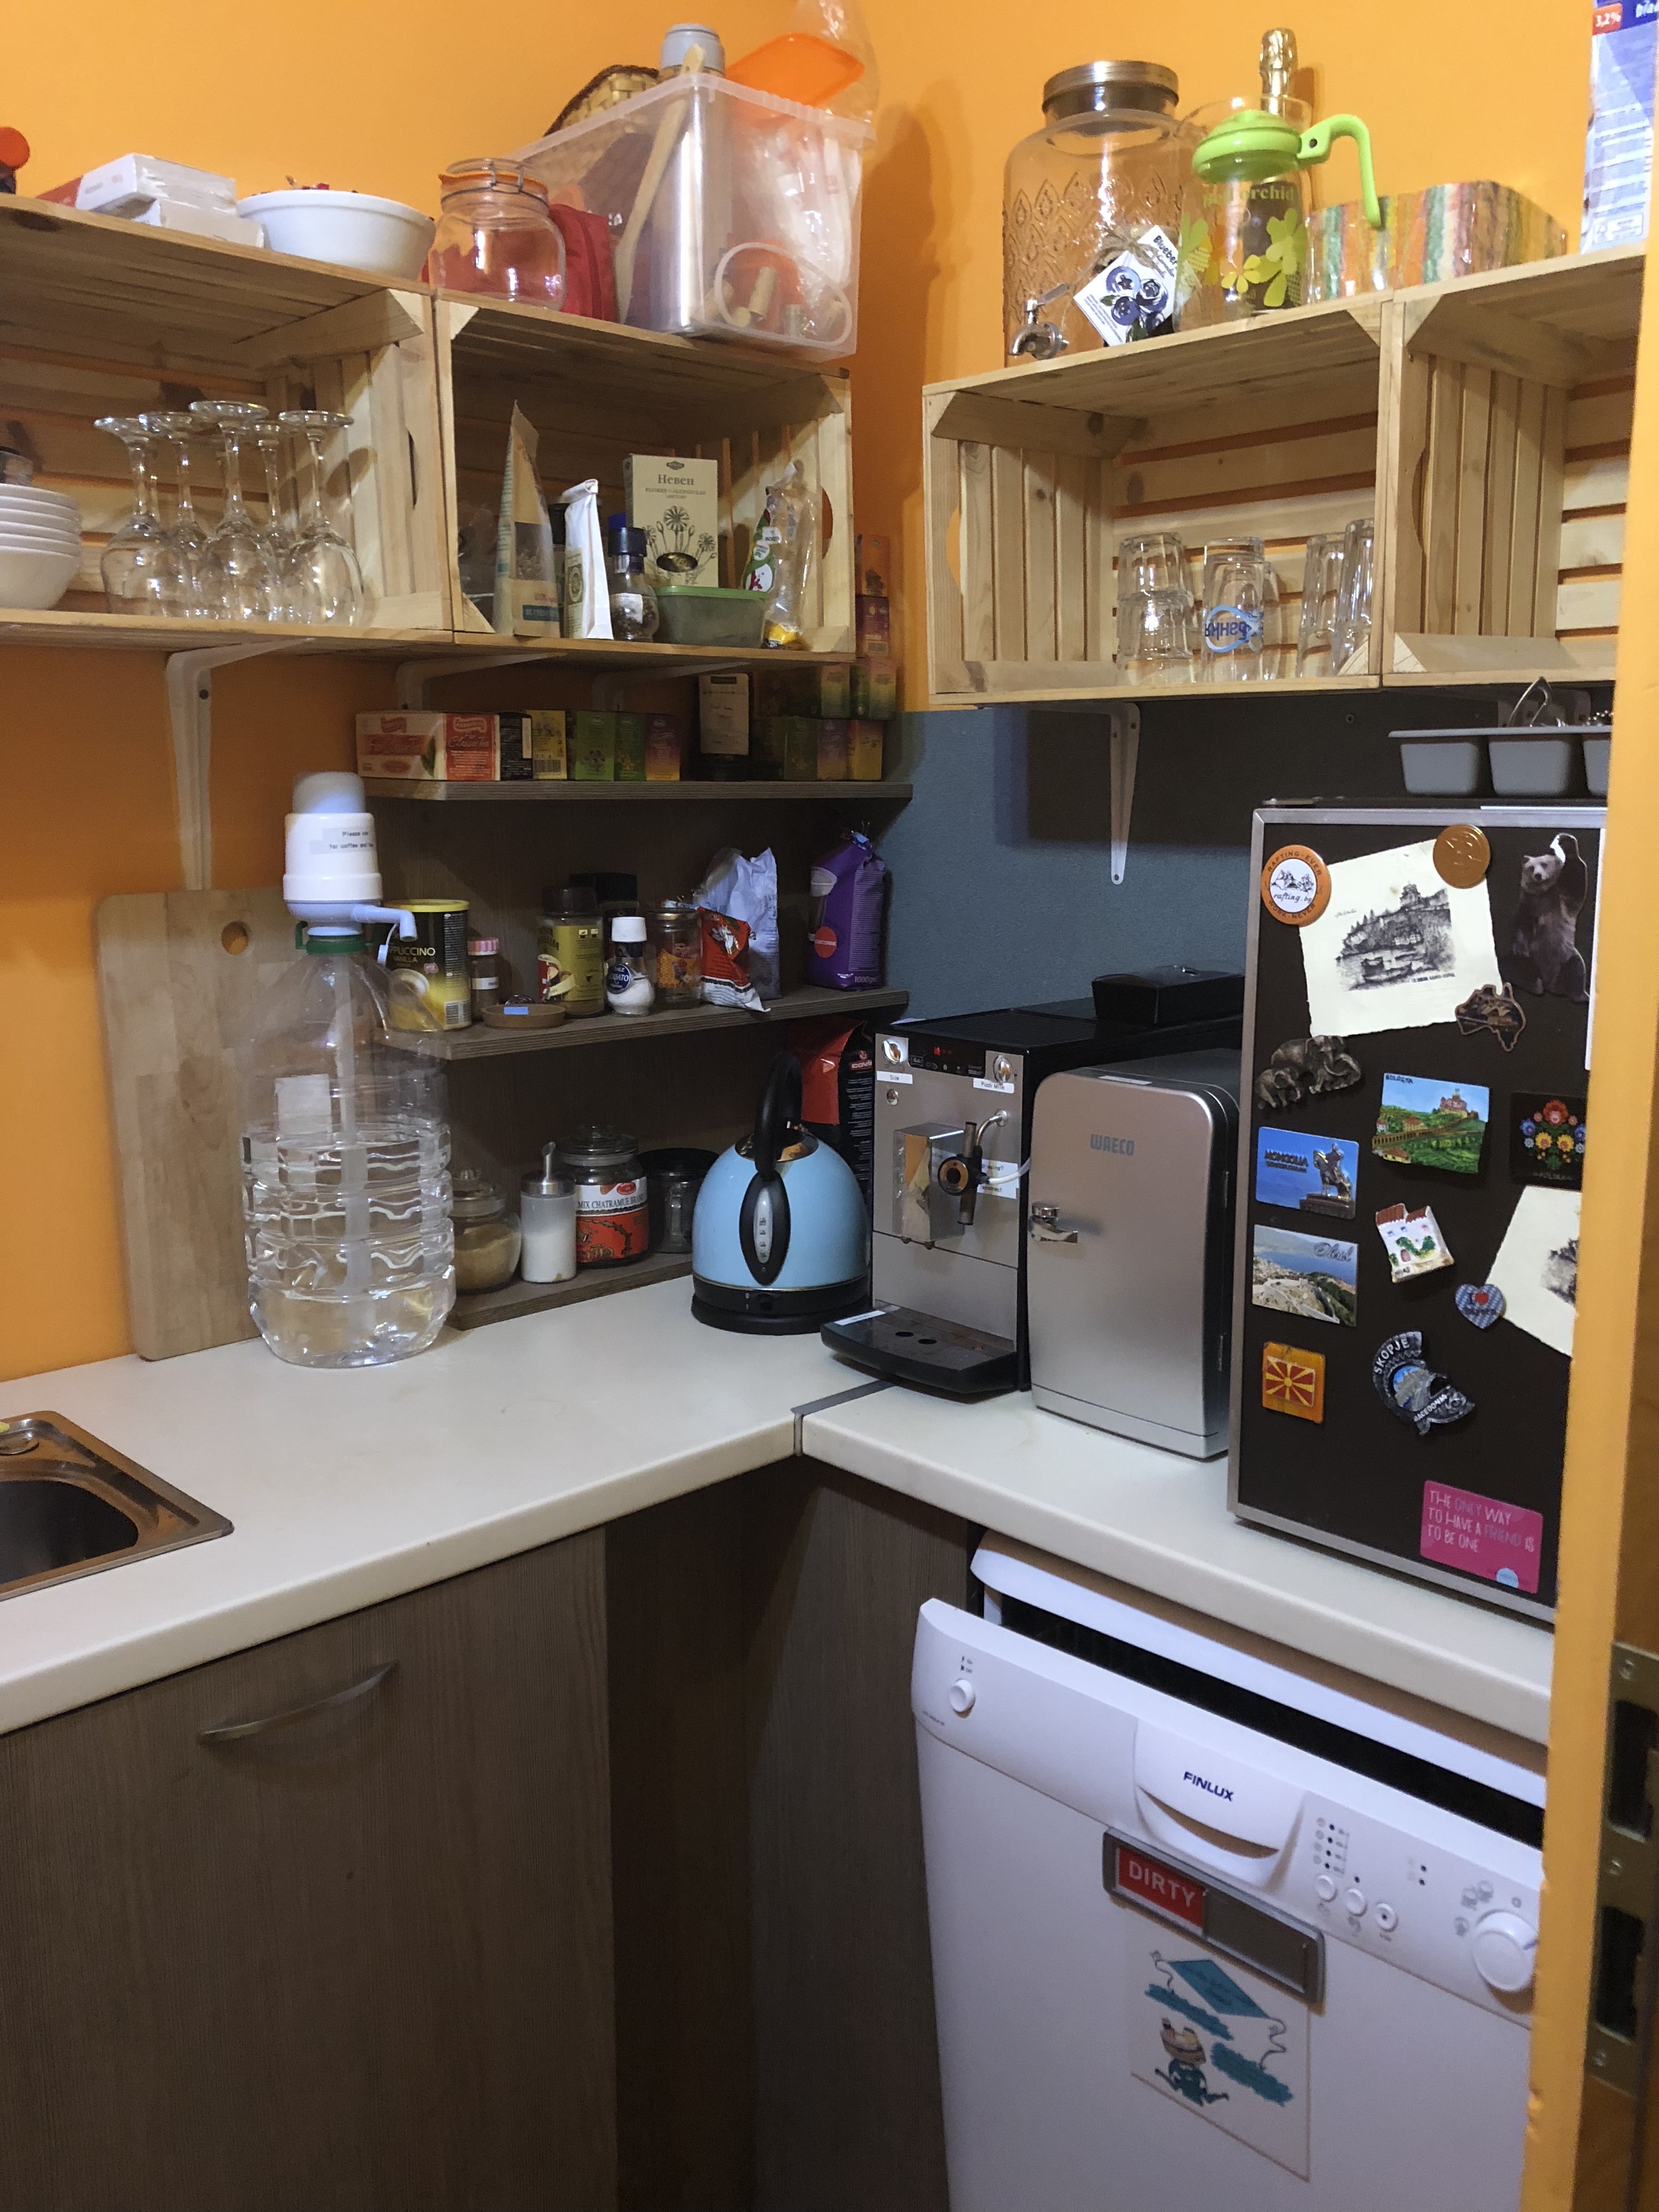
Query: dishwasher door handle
point(239, 1731)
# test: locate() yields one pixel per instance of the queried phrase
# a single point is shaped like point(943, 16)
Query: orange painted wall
point(379, 97)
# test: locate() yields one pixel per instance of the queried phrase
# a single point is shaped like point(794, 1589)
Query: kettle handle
point(780, 1106)
point(1316, 147)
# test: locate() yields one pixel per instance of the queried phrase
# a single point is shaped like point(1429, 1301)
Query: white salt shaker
point(547, 1211)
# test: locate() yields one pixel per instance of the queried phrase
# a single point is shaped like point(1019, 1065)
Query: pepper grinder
point(547, 1208)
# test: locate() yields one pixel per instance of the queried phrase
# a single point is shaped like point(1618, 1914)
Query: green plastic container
point(695, 614)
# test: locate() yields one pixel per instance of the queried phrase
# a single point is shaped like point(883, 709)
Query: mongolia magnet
point(1296, 885)
point(1410, 1388)
point(1415, 1241)
point(1546, 1139)
point(1481, 1302)
point(1306, 1067)
point(1494, 1008)
point(1423, 1123)
point(1461, 855)
point(1309, 1175)
point(1293, 1381)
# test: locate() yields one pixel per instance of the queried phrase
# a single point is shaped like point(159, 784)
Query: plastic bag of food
point(527, 603)
point(850, 899)
point(586, 590)
point(781, 557)
point(740, 961)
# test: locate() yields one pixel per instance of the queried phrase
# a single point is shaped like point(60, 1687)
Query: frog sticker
point(1222, 2042)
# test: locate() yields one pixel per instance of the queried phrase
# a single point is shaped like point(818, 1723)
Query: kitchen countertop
point(348, 1489)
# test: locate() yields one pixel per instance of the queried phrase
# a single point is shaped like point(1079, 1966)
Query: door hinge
point(1625, 1973)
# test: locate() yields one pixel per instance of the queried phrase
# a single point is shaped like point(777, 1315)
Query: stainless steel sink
point(70, 1505)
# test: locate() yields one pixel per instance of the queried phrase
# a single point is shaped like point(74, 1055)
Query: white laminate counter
point(348, 1489)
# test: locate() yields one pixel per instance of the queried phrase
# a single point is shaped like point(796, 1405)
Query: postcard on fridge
point(1396, 948)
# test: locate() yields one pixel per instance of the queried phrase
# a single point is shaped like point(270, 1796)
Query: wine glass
point(281, 527)
point(177, 429)
point(322, 581)
point(143, 571)
point(236, 571)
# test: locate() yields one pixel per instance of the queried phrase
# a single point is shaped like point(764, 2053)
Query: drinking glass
point(236, 571)
point(322, 582)
point(143, 571)
point(281, 526)
point(1350, 626)
point(1321, 573)
point(177, 430)
point(1241, 605)
point(1154, 609)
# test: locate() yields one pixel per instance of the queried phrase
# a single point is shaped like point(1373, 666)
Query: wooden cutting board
point(179, 974)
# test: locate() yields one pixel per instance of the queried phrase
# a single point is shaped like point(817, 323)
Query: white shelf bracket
point(1125, 746)
point(414, 676)
point(190, 711)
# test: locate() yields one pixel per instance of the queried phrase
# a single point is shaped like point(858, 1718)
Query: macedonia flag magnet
point(1293, 1381)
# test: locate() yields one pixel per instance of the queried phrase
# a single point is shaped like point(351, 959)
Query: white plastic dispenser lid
point(331, 863)
point(628, 929)
point(678, 42)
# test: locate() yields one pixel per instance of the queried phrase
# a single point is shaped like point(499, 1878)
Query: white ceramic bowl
point(17, 500)
point(16, 541)
point(35, 579)
point(353, 230)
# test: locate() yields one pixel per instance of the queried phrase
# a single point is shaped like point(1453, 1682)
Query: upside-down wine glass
point(281, 527)
point(322, 581)
point(144, 570)
point(236, 569)
point(179, 430)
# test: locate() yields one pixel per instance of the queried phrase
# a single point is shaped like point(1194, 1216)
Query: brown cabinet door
point(357, 1962)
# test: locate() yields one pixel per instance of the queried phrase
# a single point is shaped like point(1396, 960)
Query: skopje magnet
point(1411, 1390)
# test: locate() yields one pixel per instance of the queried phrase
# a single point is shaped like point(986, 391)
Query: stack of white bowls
point(39, 545)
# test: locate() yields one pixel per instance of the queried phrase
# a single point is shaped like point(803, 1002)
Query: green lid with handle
point(1251, 146)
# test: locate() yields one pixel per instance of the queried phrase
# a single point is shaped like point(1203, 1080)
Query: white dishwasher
point(1208, 1931)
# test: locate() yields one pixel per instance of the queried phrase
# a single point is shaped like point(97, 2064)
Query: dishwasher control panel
point(1356, 1860)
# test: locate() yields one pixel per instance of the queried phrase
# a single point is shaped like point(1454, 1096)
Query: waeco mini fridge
point(1413, 1123)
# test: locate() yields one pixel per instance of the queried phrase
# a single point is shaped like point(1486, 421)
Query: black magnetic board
point(1355, 1479)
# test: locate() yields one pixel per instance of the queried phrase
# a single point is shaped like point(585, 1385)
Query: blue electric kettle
point(780, 1241)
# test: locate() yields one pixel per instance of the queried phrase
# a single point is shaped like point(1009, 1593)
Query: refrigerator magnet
point(1415, 1241)
point(1293, 1381)
point(1422, 1122)
point(1546, 1139)
point(1493, 1008)
point(1461, 855)
point(1411, 1390)
point(1296, 885)
point(1306, 1067)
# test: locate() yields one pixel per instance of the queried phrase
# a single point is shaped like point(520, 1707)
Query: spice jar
point(488, 971)
point(676, 928)
point(613, 1213)
point(570, 953)
point(547, 1199)
point(487, 1237)
point(628, 989)
point(495, 234)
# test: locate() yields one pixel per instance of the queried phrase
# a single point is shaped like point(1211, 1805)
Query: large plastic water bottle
point(345, 1140)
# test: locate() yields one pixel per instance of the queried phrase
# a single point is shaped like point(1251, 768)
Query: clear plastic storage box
point(732, 214)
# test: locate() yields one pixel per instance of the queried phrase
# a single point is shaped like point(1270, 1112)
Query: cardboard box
point(766, 748)
point(429, 748)
point(789, 687)
point(875, 689)
point(678, 505)
point(872, 561)
point(872, 622)
point(593, 748)
point(723, 722)
point(865, 749)
point(547, 746)
point(631, 748)
point(664, 748)
point(833, 748)
point(801, 748)
point(516, 748)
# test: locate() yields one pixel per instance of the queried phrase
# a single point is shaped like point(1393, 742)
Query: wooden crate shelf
point(811, 1003)
point(477, 1309)
point(598, 391)
point(101, 317)
point(1485, 424)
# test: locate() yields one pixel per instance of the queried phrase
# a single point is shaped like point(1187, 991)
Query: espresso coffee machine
point(954, 1100)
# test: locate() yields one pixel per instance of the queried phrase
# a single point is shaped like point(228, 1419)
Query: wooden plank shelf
point(847, 793)
point(808, 1003)
point(477, 1309)
point(1484, 424)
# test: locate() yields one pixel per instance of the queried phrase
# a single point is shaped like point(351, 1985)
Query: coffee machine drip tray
point(904, 1345)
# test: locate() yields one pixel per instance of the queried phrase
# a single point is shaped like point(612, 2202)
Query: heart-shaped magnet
point(1481, 1302)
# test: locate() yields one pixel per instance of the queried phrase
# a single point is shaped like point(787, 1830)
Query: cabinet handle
point(238, 1731)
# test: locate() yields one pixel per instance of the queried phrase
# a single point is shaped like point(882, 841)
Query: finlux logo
point(1214, 1788)
point(1124, 1144)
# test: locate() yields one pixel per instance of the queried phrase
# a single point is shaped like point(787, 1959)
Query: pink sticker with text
point(1481, 1537)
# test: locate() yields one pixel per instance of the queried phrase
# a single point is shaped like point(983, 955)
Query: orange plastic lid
point(14, 147)
point(492, 176)
point(798, 66)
